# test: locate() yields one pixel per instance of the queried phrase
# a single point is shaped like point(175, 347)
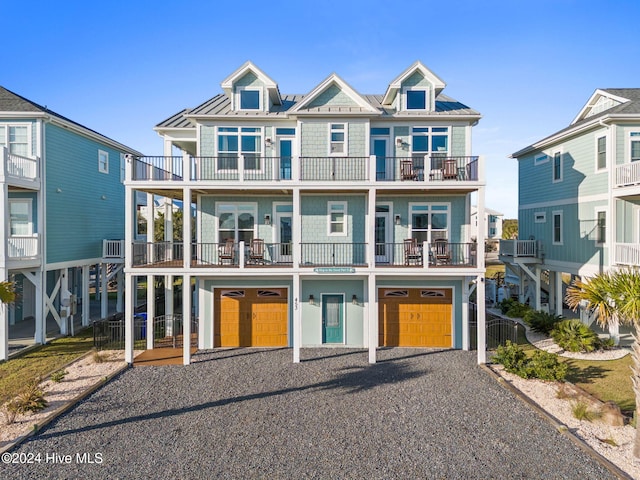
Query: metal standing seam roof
point(632, 107)
point(220, 105)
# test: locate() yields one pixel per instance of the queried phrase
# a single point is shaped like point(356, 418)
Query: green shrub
point(541, 322)
point(575, 336)
point(506, 304)
point(606, 344)
point(58, 376)
point(512, 308)
point(541, 364)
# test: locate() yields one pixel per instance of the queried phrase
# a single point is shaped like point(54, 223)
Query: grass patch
point(581, 411)
point(605, 380)
point(492, 269)
point(19, 371)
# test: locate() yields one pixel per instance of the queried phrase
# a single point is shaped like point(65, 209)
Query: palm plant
point(615, 298)
point(7, 292)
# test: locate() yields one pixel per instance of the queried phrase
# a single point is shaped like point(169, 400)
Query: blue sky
point(121, 67)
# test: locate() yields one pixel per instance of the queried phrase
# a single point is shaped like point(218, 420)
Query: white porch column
point(296, 231)
point(557, 284)
point(482, 334)
point(4, 321)
point(186, 319)
point(37, 278)
point(465, 313)
point(297, 316)
point(104, 287)
point(4, 309)
point(372, 314)
point(64, 288)
point(186, 226)
point(151, 310)
point(86, 298)
point(168, 303)
point(128, 319)
point(537, 302)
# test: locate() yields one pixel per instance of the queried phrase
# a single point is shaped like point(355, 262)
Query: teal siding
point(208, 223)
point(426, 283)
point(333, 97)
point(312, 314)
point(403, 133)
point(416, 80)
point(207, 141)
point(579, 230)
point(401, 207)
point(627, 228)
point(458, 145)
point(315, 219)
point(622, 142)
point(315, 138)
point(357, 136)
point(77, 217)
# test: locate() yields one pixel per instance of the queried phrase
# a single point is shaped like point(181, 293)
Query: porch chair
point(442, 252)
point(256, 251)
point(226, 252)
point(449, 170)
point(412, 252)
point(406, 170)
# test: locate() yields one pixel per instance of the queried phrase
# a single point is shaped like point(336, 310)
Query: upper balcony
point(627, 254)
point(520, 251)
point(257, 254)
point(19, 171)
point(627, 179)
point(23, 251)
point(419, 169)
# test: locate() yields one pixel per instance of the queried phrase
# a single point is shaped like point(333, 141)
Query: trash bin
point(142, 318)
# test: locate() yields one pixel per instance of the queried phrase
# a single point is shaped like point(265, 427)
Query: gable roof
point(396, 84)
point(362, 105)
point(248, 66)
point(12, 104)
point(625, 105)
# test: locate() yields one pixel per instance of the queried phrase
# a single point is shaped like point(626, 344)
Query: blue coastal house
point(579, 199)
point(331, 218)
point(62, 198)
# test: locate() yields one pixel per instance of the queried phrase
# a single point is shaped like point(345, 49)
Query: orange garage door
point(415, 317)
point(251, 317)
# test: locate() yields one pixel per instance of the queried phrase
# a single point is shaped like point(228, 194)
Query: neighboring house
point(331, 218)
point(492, 224)
point(63, 204)
point(579, 200)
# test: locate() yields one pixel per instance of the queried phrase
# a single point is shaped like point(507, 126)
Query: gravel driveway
point(245, 413)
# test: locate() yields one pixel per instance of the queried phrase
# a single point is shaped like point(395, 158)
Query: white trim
point(566, 201)
point(560, 155)
point(123, 167)
point(540, 158)
point(29, 202)
point(405, 98)
point(429, 230)
point(543, 218)
point(630, 139)
point(103, 167)
point(345, 131)
point(225, 203)
point(597, 138)
point(554, 214)
point(28, 125)
point(344, 318)
point(598, 210)
point(330, 233)
point(238, 99)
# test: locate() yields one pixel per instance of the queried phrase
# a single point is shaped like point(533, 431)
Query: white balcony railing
point(17, 166)
point(627, 254)
point(113, 248)
point(628, 174)
point(519, 248)
point(23, 247)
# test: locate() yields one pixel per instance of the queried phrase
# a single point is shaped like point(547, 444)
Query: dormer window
point(249, 99)
point(415, 99)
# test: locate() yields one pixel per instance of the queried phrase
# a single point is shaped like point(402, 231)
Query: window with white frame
point(338, 139)
point(249, 98)
point(557, 228)
point(634, 146)
point(557, 166)
point(16, 138)
point(337, 218)
point(540, 159)
point(20, 217)
point(236, 221)
point(601, 153)
point(123, 167)
point(601, 226)
point(416, 98)
point(429, 221)
point(235, 141)
point(103, 161)
point(432, 141)
point(540, 217)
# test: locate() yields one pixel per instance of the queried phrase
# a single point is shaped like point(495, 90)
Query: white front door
point(283, 235)
point(384, 247)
